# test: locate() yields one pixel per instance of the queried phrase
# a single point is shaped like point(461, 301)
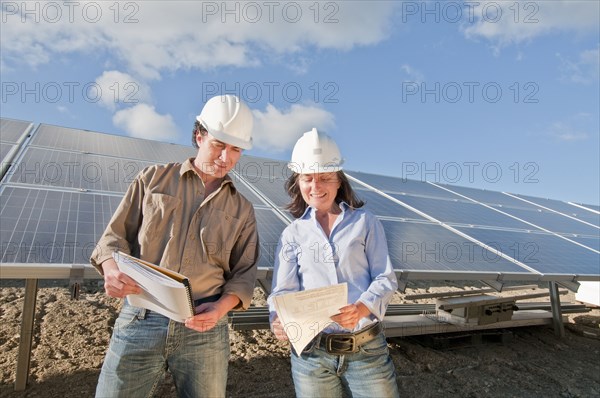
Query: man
point(187, 217)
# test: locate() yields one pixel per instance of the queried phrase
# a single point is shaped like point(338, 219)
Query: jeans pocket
point(308, 350)
point(377, 346)
point(128, 316)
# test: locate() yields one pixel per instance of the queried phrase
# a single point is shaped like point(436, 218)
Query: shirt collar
point(188, 166)
point(309, 210)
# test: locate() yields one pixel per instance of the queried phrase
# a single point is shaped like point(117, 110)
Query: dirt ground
point(71, 337)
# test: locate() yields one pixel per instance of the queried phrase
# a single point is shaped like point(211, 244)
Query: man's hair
point(345, 193)
point(198, 129)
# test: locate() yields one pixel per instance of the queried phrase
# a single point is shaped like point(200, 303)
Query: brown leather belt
point(209, 299)
point(348, 343)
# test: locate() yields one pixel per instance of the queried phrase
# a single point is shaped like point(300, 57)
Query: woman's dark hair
point(198, 129)
point(345, 193)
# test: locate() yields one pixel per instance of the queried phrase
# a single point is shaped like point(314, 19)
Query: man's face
point(216, 158)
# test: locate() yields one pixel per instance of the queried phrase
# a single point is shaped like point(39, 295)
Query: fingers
point(118, 284)
point(348, 308)
point(278, 330)
point(200, 325)
point(205, 319)
point(348, 316)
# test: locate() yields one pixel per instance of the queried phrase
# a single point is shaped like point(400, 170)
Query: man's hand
point(116, 283)
point(208, 314)
point(277, 328)
point(351, 314)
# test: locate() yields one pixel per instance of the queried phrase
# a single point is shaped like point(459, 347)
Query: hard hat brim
point(313, 169)
point(226, 138)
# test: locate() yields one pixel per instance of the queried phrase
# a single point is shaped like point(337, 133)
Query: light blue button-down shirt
point(356, 252)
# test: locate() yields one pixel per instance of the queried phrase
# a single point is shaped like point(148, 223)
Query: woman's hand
point(351, 314)
point(277, 329)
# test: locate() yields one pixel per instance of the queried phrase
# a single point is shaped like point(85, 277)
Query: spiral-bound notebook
point(164, 291)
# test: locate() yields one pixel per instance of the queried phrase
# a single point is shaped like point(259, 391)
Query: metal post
point(27, 324)
point(559, 328)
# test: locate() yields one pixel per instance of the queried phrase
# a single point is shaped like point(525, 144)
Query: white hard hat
point(315, 152)
point(228, 119)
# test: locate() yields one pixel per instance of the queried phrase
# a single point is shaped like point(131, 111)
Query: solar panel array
point(13, 134)
point(481, 231)
point(64, 185)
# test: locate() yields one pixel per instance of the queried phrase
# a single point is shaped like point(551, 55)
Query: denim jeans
point(145, 344)
point(367, 373)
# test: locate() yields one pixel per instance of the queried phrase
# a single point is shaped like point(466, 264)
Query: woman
point(333, 240)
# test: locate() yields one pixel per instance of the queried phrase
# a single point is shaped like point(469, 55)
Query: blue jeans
point(145, 344)
point(367, 373)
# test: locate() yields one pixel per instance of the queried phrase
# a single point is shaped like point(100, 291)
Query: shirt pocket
point(219, 234)
point(158, 214)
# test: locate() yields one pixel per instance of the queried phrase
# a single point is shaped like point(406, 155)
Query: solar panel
point(55, 137)
point(270, 227)
point(50, 226)
point(554, 222)
point(548, 254)
point(568, 210)
point(430, 247)
point(247, 192)
point(267, 177)
point(13, 130)
point(381, 206)
point(4, 150)
point(463, 212)
point(593, 243)
point(488, 197)
point(594, 208)
point(400, 185)
point(253, 168)
point(12, 135)
point(66, 183)
point(58, 168)
point(273, 189)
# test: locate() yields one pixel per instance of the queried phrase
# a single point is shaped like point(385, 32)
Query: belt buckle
point(345, 339)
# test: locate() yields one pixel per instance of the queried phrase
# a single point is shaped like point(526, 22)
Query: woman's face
point(319, 189)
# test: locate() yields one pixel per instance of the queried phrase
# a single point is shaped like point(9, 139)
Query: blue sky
point(501, 95)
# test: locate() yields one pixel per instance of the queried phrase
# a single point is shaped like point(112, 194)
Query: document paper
point(305, 314)
point(163, 291)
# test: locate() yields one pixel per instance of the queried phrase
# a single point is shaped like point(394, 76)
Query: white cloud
point(152, 37)
point(585, 70)
point(566, 133)
point(523, 21)
point(278, 131)
point(413, 75)
point(121, 88)
point(142, 121)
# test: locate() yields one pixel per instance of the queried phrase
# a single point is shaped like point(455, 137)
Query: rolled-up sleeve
point(243, 263)
point(285, 271)
point(121, 232)
point(383, 277)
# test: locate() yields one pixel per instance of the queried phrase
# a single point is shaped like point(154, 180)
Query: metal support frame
point(571, 285)
point(402, 281)
point(497, 285)
point(27, 324)
point(557, 322)
point(76, 280)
